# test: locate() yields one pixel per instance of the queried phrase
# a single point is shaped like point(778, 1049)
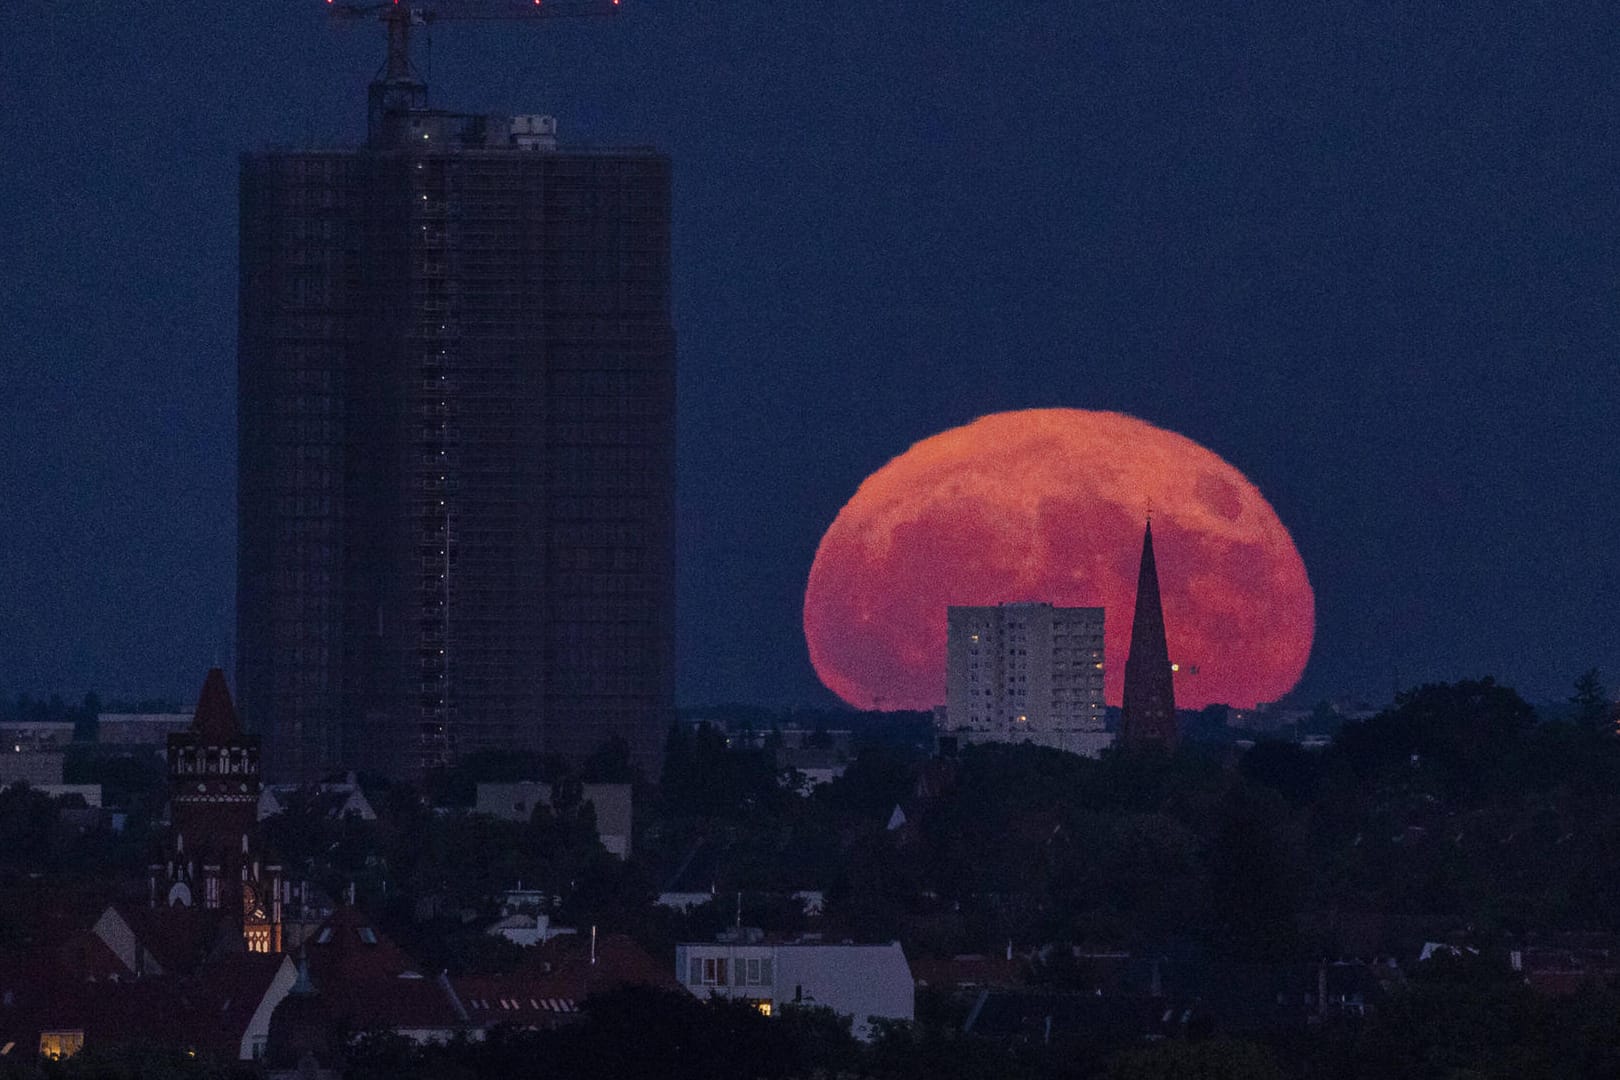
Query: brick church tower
point(212, 858)
point(1149, 712)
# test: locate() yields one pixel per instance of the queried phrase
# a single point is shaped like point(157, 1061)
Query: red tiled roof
point(208, 1012)
point(967, 970)
point(348, 948)
point(86, 956)
point(562, 967)
point(556, 979)
point(178, 937)
point(49, 916)
point(1561, 983)
point(511, 999)
point(412, 1003)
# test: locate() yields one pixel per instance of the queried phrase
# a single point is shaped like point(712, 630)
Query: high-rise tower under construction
point(455, 499)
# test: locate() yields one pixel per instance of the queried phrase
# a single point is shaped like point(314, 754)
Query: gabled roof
point(967, 970)
point(215, 722)
point(349, 949)
point(557, 976)
point(208, 1012)
point(178, 938)
point(409, 1003)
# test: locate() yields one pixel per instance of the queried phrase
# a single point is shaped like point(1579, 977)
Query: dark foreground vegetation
point(1457, 816)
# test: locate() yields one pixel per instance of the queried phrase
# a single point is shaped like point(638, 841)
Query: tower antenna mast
point(398, 86)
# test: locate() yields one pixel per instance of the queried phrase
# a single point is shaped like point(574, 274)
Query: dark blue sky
point(1365, 251)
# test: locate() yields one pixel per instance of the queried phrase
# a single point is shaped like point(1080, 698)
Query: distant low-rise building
point(863, 982)
point(22, 735)
point(90, 793)
point(36, 768)
point(140, 729)
point(525, 918)
point(517, 802)
point(336, 801)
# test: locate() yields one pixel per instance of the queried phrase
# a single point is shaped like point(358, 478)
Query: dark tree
point(1593, 710)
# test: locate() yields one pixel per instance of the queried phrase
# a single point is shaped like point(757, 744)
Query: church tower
point(212, 860)
point(1149, 713)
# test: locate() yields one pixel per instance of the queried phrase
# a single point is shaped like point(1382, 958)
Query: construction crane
point(398, 86)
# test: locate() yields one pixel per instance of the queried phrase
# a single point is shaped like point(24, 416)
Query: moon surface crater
point(1049, 504)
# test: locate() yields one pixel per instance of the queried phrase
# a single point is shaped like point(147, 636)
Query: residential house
point(863, 982)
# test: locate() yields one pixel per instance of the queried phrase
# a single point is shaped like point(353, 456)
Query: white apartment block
point(863, 982)
point(1026, 672)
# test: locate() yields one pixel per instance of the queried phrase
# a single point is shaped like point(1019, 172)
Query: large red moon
point(1049, 505)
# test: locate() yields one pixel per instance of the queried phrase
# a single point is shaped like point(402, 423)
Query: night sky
point(1366, 252)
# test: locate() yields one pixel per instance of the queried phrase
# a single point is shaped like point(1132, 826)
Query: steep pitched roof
point(559, 974)
point(215, 720)
point(348, 949)
point(208, 1012)
point(1148, 711)
point(407, 1003)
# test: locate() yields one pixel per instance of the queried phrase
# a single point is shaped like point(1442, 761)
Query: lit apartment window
point(60, 1044)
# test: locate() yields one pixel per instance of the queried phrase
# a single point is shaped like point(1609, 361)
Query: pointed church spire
point(1149, 712)
point(216, 719)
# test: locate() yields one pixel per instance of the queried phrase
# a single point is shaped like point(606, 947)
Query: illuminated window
point(60, 1044)
point(764, 1007)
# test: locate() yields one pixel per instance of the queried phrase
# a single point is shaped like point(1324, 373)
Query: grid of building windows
point(1026, 672)
point(457, 435)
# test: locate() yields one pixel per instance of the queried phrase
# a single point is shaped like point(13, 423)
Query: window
point(714, 971)
point(60, 1044)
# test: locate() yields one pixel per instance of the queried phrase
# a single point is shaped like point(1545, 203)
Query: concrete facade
point(1026, 672)
point(863, 982)
point(140, 729)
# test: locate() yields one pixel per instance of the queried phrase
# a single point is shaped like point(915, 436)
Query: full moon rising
point(1049, 505)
